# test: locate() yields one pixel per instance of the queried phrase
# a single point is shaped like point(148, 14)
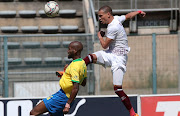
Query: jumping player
point(116, 55)
point(75, 74)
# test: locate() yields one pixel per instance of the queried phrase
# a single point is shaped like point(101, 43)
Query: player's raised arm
point(133, 14)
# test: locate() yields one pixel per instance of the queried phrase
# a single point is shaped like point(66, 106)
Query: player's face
point(103, 17)
point(71, 52)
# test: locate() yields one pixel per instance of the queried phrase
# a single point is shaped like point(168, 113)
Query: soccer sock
point(88, 59)
point(125, 99)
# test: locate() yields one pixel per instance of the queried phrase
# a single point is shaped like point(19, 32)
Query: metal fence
point(29, 63)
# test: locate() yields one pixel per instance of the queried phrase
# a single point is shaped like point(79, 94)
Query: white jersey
point(115, 31)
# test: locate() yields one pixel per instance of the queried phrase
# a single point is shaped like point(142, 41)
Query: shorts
point(56, 103)
point(117, 64)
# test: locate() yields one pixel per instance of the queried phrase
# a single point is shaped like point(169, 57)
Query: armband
point(139, 11)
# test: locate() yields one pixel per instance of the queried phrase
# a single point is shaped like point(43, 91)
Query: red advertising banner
point(160, 105)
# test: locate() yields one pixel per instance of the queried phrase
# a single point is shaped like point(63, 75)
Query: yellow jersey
point(75, 72)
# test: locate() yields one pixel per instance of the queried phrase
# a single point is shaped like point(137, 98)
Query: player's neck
point(111, 19)
point(76, 57)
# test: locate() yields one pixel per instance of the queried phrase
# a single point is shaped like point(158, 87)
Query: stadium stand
point(42, 14)
point(66, 44)
point(13, 45)
point(66, 60)
point(68, 13)
point(69, 29)
point(53, 60)
point(29, 29)
point(50, 53)
point(14, 61)
point(7, 14)
point(51, 44)
point(32, 61)
point(9, 29)
point(49, 29)
point(27, 13)
point(31, 45)
point(26, 18)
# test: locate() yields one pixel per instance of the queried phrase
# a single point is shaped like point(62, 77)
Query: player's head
point(75, 49)
point(105, 14)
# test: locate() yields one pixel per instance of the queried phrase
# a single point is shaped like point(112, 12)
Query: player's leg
point(91, 58)
point(39, 109)
point(117, 82)
point(94, 58)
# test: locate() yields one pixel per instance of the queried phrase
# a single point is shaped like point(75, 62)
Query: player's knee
point(94, 57)
point(117, 88)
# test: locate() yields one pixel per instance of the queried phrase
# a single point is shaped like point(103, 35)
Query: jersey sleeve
point(122, 18)
point(75, 74)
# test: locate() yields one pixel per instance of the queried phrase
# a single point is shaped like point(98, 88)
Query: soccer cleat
point(136, 115)
point(59, 73)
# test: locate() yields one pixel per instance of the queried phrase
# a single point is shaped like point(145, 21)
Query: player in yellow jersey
point(75, 74)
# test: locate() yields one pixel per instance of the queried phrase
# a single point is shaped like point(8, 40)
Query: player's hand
point(101, 34)
point(65, 110)
point(59, 73)
point(142, 14)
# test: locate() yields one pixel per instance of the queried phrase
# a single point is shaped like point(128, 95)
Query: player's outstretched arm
point(133, 14)
point(72, 97)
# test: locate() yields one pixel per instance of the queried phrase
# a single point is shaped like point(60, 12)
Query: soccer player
point(75, 74)
point(116, 55)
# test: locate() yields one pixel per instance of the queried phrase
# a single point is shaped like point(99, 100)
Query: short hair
point(106, 9)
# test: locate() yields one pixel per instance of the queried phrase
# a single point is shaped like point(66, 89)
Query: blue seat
point(29, 29)
point(67, 60)
point(42, 14)
point(32, 61)
point(69, 29)
point(9, 29)
point(68, 13)
point(31, 45)
point(27, 13)
point(49, 29)
point(52, 44)
point(53, 60)
point(14, 61)
point(66, 44)
point(13, 45)
point(7, 14)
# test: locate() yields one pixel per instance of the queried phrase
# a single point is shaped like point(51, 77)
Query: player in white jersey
point(116, 55)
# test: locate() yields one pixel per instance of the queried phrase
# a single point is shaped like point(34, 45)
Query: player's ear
point(75, 51)
point(109, 14)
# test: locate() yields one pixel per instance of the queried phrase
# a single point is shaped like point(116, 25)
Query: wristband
point(139, 11)
point(67, 105)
